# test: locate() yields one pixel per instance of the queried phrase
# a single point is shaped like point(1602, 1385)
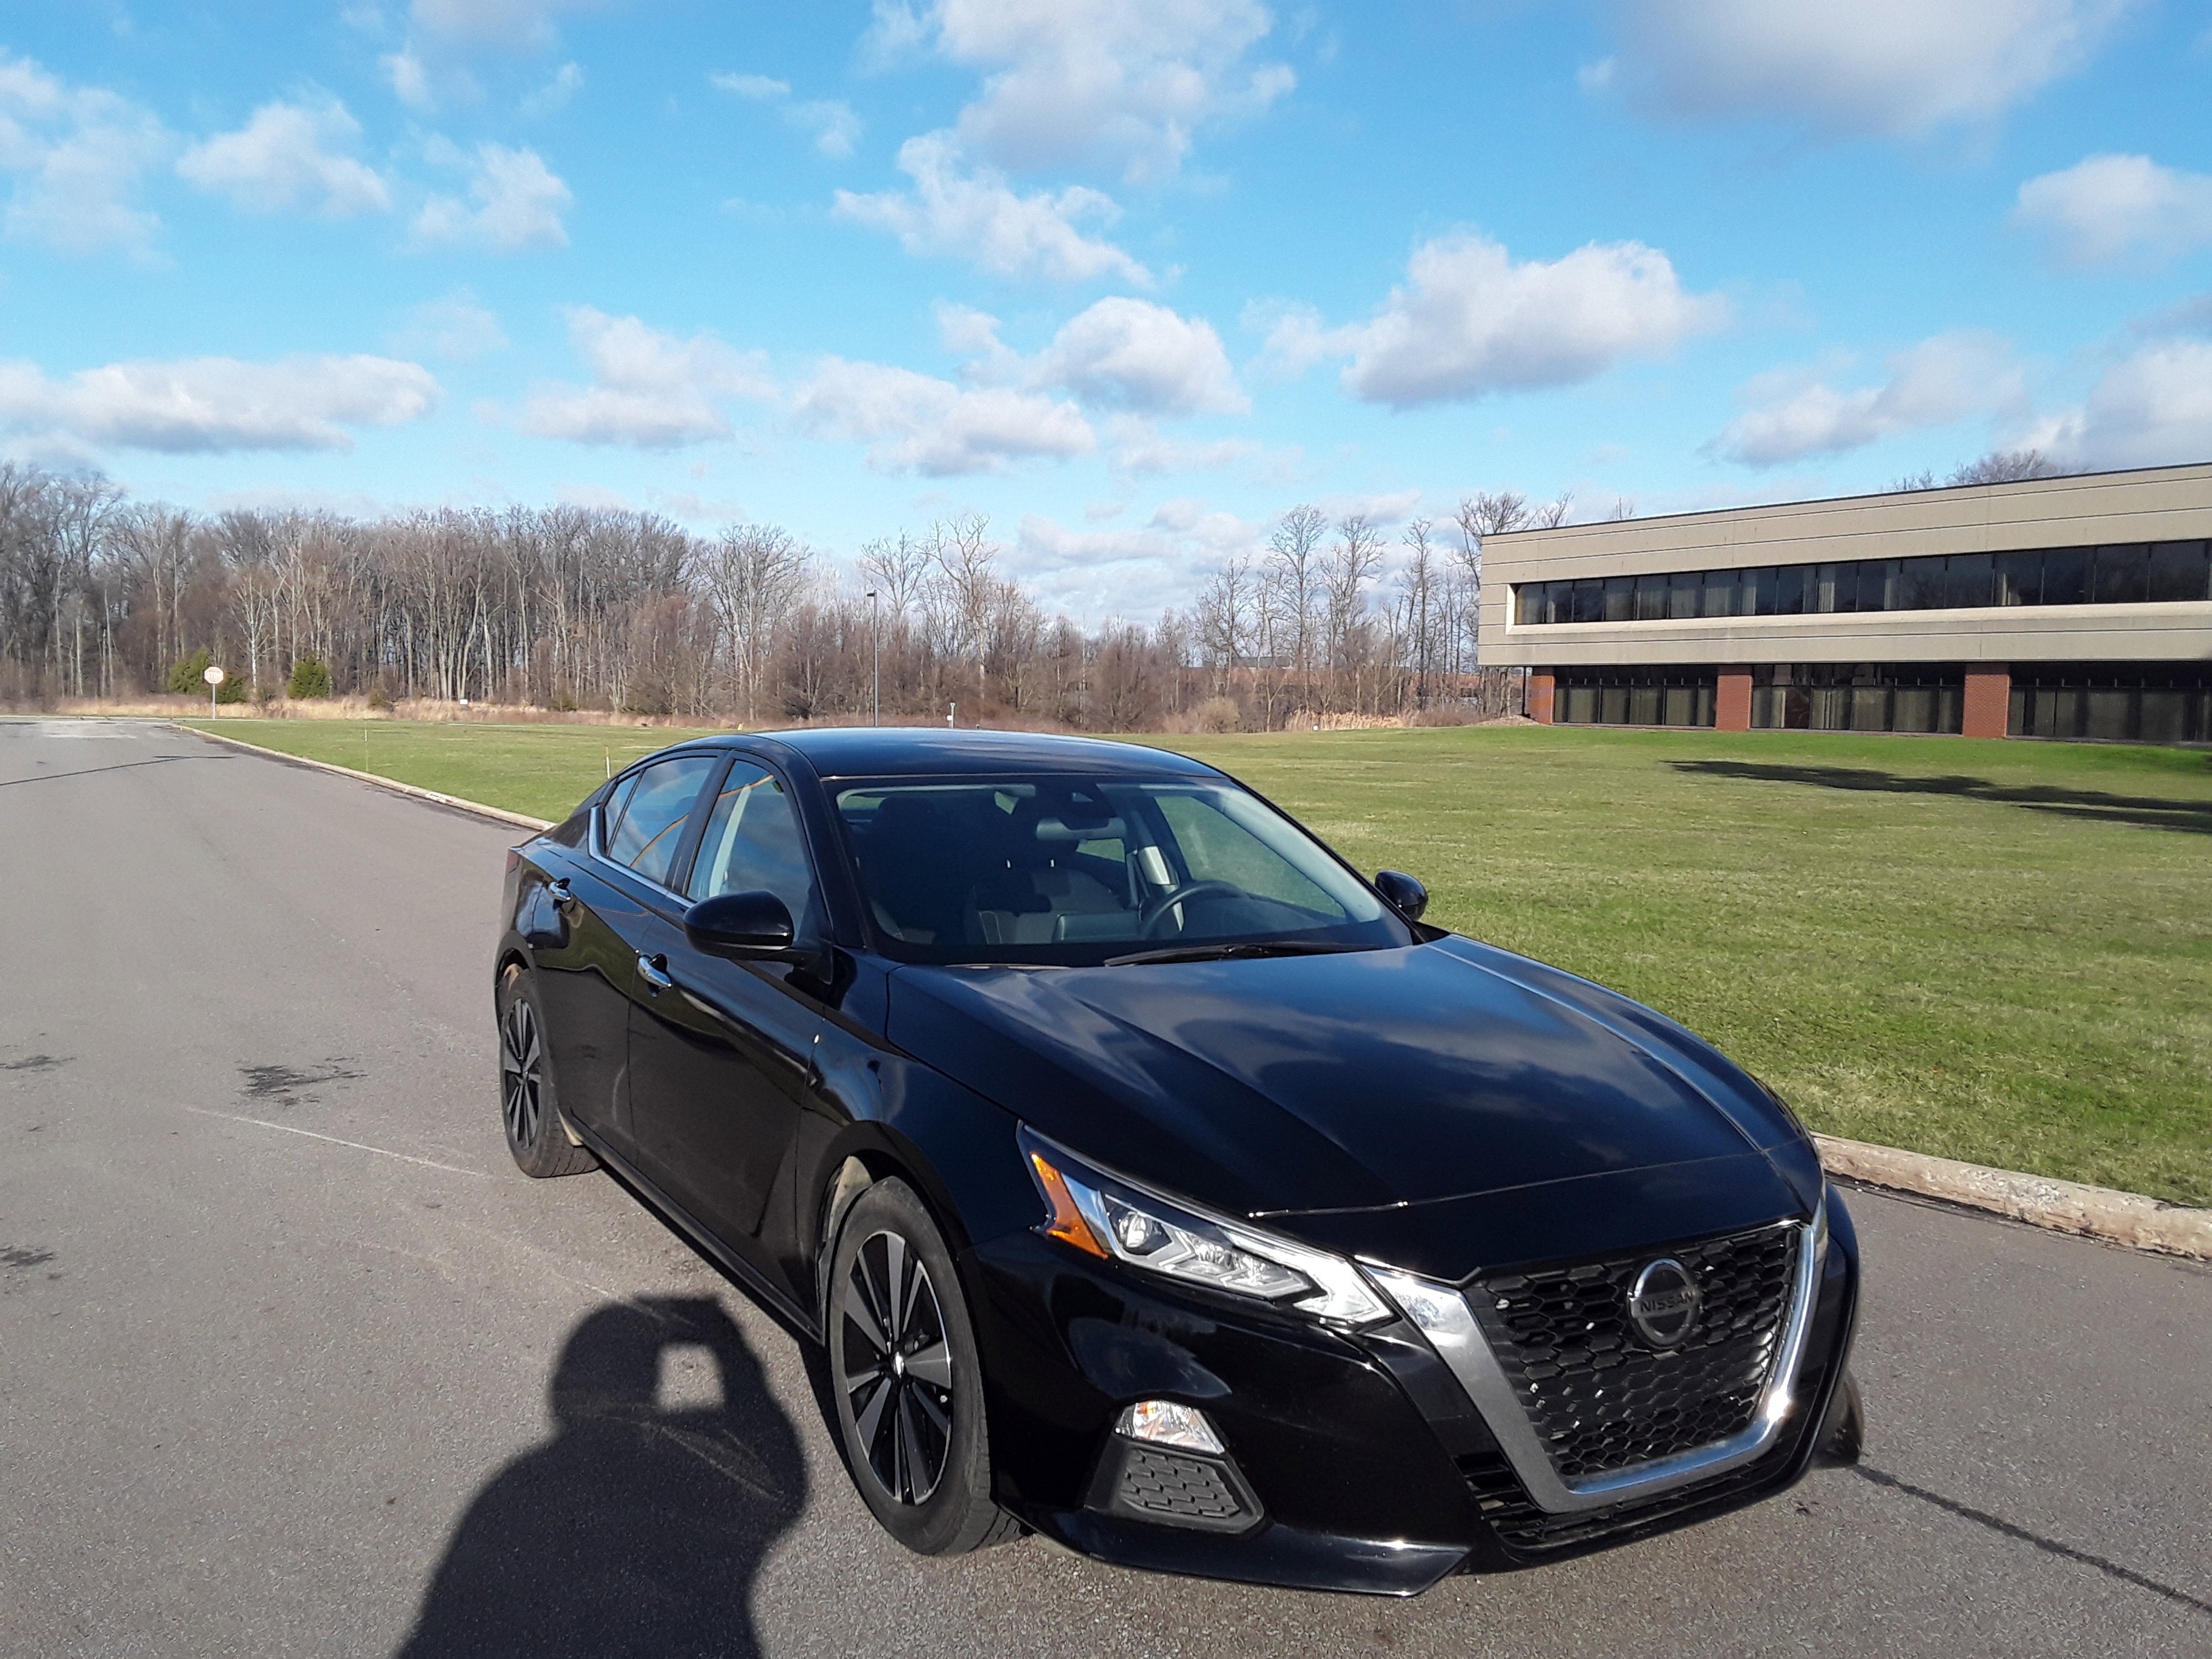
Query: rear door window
point(651, 828)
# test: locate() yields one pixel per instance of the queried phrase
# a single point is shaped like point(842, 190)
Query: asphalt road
point(292, 1360)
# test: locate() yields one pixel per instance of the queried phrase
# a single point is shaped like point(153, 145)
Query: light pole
point(876, 650)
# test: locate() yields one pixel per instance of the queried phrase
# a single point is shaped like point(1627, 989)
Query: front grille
point(1160, 1483)
point(1601, 1399)
point(1528, 1532)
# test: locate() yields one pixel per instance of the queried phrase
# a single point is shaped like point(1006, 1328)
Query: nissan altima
point(1154, 1180)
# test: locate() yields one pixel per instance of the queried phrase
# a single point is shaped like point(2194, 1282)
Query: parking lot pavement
point(293, 1361)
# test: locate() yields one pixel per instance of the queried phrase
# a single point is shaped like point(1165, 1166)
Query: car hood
point(1368, 1081)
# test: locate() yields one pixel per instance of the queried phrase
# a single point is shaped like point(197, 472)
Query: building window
point(2130, 573)
point(2117, 702)
point(1858, 697)
point(1634, 697)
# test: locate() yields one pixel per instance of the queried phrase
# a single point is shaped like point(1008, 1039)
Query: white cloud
point(1936, 382)
point(649, 390)
point(567, 82)
point(1142, 356)
point(1141, 450)
point(454, 327)
point(973, 215)
point(216, 403)
point(2108, 208)
point(1125, 82)
point(521, 25)
point(290, 155)
point(409, 78)
point(829, 122)
point(1892, 67)
point(1469, 321)
point(918, 424)
point(517, 203)
point(2152, 409)
point(77, 153)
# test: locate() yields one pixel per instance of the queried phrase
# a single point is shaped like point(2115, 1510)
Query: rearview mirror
point(1407, 896)
point(743, 927)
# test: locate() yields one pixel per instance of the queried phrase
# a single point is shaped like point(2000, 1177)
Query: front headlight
point(1112, 1217)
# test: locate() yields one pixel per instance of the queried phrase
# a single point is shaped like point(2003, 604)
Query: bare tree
point(754, 576)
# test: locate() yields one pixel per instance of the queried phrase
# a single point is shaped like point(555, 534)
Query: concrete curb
point(392, 784)
point(2066, 1206)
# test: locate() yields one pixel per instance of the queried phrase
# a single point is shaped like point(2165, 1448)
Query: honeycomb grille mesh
point(1188, 1488)
point(1600, 1397)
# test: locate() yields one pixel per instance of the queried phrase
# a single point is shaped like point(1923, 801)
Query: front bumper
point(1357, 1461)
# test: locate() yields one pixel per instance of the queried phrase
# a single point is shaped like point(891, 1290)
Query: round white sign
point(213, 676)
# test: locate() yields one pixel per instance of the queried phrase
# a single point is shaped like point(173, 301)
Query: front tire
point(906, 1379)
point(528, 1102)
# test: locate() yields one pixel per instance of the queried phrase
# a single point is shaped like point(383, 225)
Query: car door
point(590, 981)
point(584, 967)
point(721, 1056)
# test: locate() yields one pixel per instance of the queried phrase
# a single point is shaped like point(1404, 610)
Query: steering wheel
point(1149, 917)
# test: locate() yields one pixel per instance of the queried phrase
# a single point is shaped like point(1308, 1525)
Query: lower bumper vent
point(1178, 1489)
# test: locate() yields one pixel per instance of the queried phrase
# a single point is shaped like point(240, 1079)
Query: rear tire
point(528, 1101)
point(906, 1379)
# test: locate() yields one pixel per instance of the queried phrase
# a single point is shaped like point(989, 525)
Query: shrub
point(184, 674)
point(310, 678)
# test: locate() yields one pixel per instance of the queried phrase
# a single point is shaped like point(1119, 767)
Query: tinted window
point(652, 823)
point(2121, 574)
point(1620, 598)
point(1685, 591)
point(2020, 579)
point(2178, 570)
point(1968, 580)
point(753, 843)
point(1651, 598)
point(2066, 576)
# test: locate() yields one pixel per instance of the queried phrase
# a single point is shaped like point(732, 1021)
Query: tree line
point(591, 608)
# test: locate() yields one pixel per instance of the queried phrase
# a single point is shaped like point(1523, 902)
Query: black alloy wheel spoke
point(898, 1368)
point(519, 1058)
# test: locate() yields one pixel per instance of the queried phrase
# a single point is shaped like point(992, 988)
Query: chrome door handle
point(654, 972)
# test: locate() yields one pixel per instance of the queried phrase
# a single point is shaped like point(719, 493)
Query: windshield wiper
point(1231, 952)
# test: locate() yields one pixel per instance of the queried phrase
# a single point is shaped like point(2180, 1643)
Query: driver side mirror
point(742, 927)
point(1407, 896)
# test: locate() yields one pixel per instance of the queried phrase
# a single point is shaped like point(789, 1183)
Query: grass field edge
point(415, 791)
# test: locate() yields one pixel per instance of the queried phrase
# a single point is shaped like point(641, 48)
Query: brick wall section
point(1987, 709)
point(1732, 702)
point(1541, 685)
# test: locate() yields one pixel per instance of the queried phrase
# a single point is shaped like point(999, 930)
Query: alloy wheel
point(521, 1078)
point(898, 1367)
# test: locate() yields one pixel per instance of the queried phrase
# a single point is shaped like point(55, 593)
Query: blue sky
point(1131, 277)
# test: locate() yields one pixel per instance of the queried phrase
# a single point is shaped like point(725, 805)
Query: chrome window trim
point(1443, 1315)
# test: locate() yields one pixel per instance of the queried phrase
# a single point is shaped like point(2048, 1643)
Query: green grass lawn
point(1996, 952)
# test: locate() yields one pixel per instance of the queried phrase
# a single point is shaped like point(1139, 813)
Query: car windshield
point(1077, 871)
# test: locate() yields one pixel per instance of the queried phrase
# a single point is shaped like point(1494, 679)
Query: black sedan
point(1154, 1182)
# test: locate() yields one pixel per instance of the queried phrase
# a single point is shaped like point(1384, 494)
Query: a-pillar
point(1988, 703)
point(1540, 693)
point(1732, 702)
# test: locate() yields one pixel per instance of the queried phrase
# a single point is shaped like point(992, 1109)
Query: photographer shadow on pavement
point(640, 1527)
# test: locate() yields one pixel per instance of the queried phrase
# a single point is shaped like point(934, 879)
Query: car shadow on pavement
point(640, 1527)
point(2096, 805)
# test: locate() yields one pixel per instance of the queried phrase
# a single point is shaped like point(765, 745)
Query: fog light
point(1163, 1423)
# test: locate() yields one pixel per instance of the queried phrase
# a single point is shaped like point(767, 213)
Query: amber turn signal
point(1068, 1224)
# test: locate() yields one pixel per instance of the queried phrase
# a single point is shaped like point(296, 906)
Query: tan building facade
point(2076, 607)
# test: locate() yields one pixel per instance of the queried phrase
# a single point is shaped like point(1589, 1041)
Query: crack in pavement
point(2049, 1546)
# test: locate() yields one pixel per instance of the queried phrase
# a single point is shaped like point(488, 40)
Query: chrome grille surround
point(1443, 1317)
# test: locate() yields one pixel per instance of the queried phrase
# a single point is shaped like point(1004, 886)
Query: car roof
point(921, 750)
